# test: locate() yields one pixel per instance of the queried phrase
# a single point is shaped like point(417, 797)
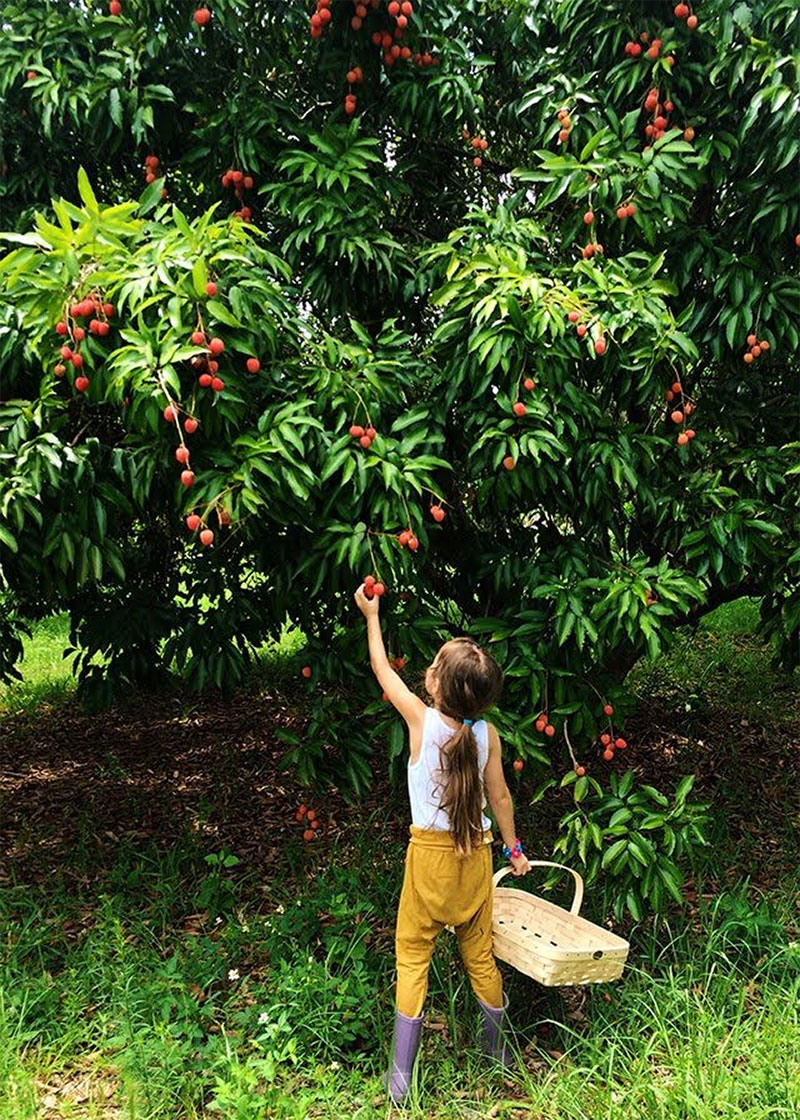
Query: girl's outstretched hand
point(368, 607)
point(520, 866)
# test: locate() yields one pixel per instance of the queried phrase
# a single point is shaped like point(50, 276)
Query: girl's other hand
point(520, 866)
point(368, 607)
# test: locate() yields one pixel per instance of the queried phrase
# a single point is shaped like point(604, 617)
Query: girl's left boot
point(404, 1051)
point(494, 1041)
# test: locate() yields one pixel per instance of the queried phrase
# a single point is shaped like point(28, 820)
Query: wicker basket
point(552, 945)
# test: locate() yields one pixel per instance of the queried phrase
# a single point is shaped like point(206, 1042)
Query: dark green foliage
point(384, 280)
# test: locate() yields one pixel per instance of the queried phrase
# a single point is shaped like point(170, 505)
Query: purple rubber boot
point(494, 1042)
point(404, 1051)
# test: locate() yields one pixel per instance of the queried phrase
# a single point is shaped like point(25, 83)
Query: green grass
point(724, 663)
point(47, 675)
point(112, 981)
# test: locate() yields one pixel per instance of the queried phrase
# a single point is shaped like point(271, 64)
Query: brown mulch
point(159, 768)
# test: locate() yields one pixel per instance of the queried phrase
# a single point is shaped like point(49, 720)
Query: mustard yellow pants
point(441, 888)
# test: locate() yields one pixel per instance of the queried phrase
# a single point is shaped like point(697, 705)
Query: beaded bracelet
point(515, 852)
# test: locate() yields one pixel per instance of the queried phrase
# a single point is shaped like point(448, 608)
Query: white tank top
point(424, 776)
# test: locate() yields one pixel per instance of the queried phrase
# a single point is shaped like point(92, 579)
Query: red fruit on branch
point(477, 161)
point(529, 383)
point(198, 338)
point(193, 522)
point(204, 380)
point(216, 346)
point(207, 537)
point(748, 358)
point(573, 316)
point(751, 340)
point(691, 22)
point(690, 433)
point(608, 754)
point(622, 212)
point(676, 417)
point(378, 589)
point(519, 408)
point(600, 346)
point(413, 543)
point(169, 414)
point(608, 710)
point(549, 730)
point(356, 431)
point(541, 723)
point(588, 217)
point(59, 370)
point(306, 671)
point(683, 439)
point(437, 513)
point(187, 478)
point(77, 361)
point(365, 441)
point(82, 384)
point(581, 329)
point(688, 134)
point(217, 384)
point(620, 744)
point(371, 432)
point(202, 16)
point(681, 11)
point(404, 537)
point(518, 764)
point(580, 771)
point(676, 387)
point(211, 288)
point(65, 352)
point(605, 739)
point(79, 334)
point(108, 310)
point(182, 454)
point(253, 365)
point(509, 463)
point(62, 328)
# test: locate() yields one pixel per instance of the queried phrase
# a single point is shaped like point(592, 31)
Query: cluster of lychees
point(565, 120)
point(98, 312)
point(477, 144)
point(240, 182)
point(754, 349)
point(365, 436)
point(682, 409)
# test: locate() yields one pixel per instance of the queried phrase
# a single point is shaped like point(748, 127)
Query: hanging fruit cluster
point(565, 121)
point(754, 349)
point(608, 740)
point(98, 312)
point(240, 182)
point(682, 409)
point(477, 144)
point(151, 172)
point(683, 11)
point(365, 436)
point(386, 25)
point(373, 588)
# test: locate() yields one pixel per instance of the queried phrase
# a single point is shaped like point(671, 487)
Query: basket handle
point(578, 896)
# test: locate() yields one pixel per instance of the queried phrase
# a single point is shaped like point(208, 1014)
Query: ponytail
point(462, 789)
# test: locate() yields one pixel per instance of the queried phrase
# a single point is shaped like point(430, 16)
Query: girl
point(454, 765)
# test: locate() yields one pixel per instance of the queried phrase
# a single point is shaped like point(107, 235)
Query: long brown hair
point(469, 681)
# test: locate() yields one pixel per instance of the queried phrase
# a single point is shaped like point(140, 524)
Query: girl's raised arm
point(410, 707)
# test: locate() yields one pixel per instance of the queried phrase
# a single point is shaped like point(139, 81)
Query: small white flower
point(233, 973)
point(335, 1066)
point(280, 909)
point(217, 920)
point(263, 1018)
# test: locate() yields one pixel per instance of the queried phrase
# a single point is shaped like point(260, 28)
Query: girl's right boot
point(404, 1051)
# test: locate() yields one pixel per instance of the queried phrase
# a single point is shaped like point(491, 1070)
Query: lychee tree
point(494, 302)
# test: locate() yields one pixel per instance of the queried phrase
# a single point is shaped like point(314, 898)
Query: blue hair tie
point(468, 722)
